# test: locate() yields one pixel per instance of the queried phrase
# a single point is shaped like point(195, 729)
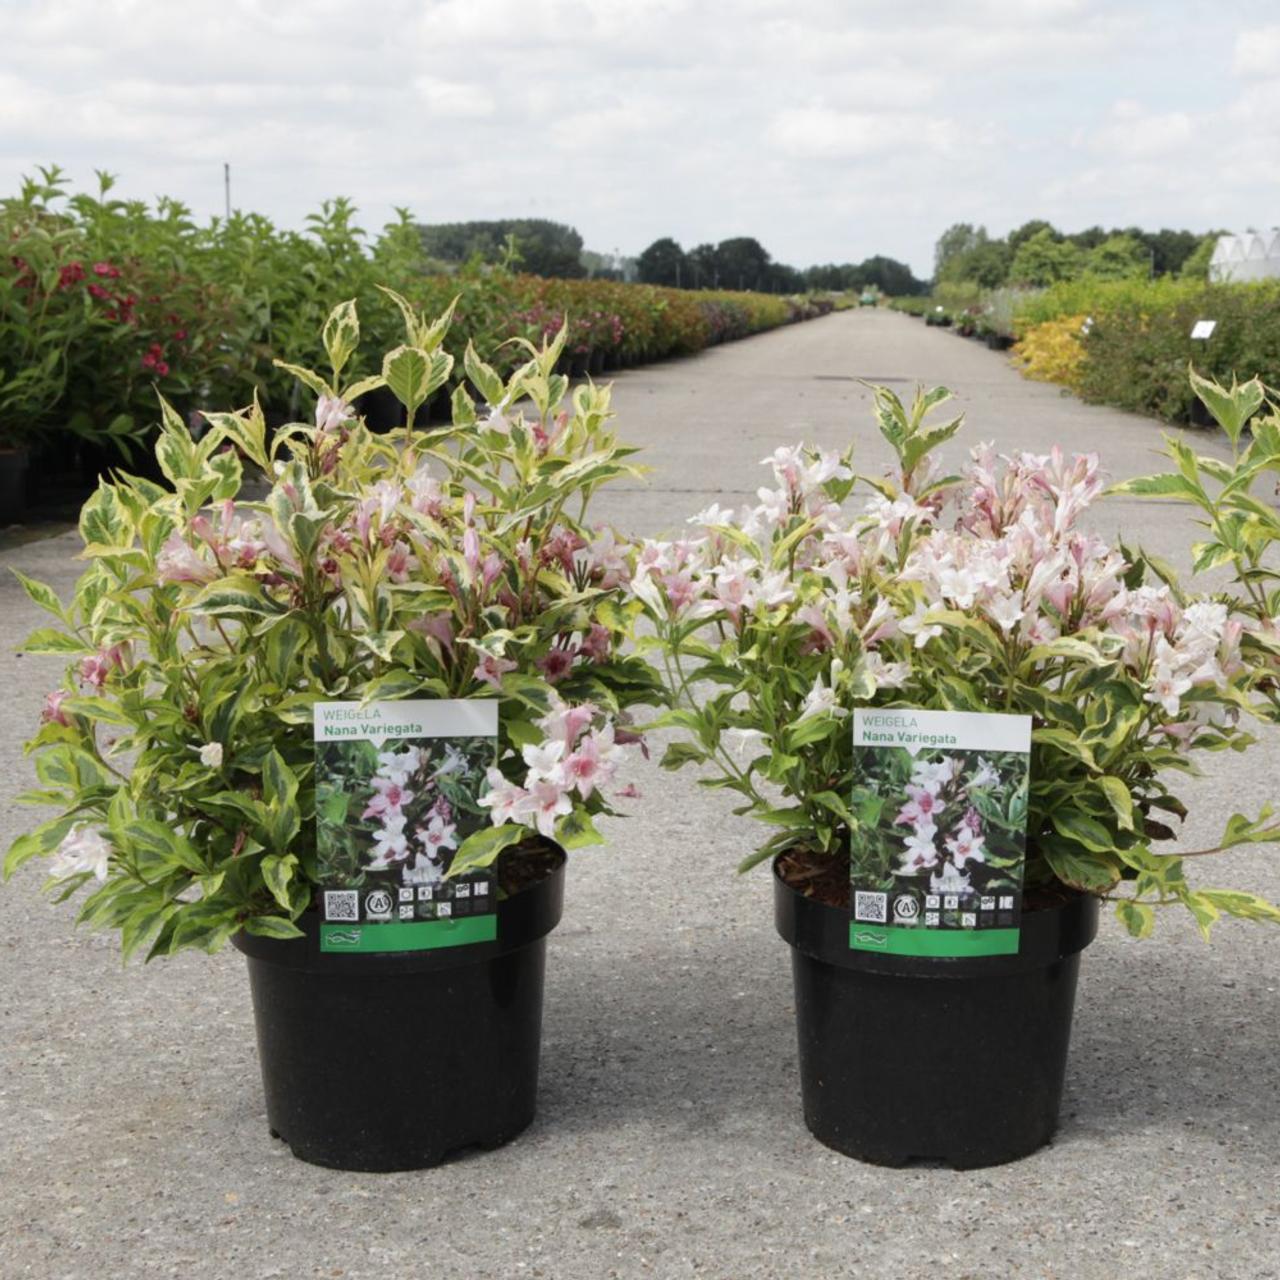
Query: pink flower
point(505, 801)
point(547, 802)
point(437, 627)
point(564, 723)
point(332, 413)
point(921, 808)
point(491, 669)
point(52, 712)
point(556, 665)
point(95, 670)
point(629, 792)
point(390, 798)
point(400, 560)
point(966, 845)
point(592, 764)
point(597, 644)
point(178, 561)
point(437, 835)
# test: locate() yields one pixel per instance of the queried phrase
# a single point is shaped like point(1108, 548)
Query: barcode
point(871, 906)
point(341, 904)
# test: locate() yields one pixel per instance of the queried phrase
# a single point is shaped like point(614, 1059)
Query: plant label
point(397, 790)
point(1202, 330)
point(937, 856)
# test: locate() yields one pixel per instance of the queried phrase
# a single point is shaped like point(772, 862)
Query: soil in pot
point(390, 1061)
point(925, 1059)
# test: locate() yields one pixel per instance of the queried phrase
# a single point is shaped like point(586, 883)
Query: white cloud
point(454, 100)
point(827, 134)
point(1133, 132)
point(1258, 52)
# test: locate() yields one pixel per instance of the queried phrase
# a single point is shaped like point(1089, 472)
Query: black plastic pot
point(13, 485)
point(954, 1061)
point(381, 1062)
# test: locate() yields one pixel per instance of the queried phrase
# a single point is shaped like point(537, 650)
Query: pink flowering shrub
point(453, 563)
point(972, 592)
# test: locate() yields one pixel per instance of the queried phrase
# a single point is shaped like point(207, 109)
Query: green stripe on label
point(409, 935)
point(895, 941)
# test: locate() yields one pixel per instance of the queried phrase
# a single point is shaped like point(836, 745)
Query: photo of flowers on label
point(937, 856)
point(398, 788)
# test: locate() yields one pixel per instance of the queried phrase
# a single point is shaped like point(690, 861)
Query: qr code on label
point(871, 906)
point(341, 904)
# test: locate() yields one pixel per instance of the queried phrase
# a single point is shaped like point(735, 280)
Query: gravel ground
point(669, 1140)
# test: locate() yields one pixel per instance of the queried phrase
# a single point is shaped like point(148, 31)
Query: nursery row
point(1125, 343)
point(105, 302)
point(352, 727)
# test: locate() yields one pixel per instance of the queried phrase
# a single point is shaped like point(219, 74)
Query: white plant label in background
point(1203, 329)
point(397, 792)
point(937, 857)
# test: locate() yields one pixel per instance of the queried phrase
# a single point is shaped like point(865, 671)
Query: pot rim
point(822, 932)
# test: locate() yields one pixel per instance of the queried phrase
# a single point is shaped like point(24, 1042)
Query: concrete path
point(669, 1141)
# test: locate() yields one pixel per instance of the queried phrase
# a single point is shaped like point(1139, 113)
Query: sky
point(828, 130)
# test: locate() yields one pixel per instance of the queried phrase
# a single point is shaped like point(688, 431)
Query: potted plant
point(442, 581)
point(974, 593)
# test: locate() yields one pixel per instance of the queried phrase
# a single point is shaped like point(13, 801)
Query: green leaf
point(38, 593)
point(272, 927)
point(1231, 408)
point(1119, 799)
point(47, 640)
point(1083, 830)
point(341, 336)
point(237, 595)
point(576, 830)
point(305, 376)
point(679, 754)
point(277, 872)
point(1137, 917)
point(412, 375)
point(481, 847)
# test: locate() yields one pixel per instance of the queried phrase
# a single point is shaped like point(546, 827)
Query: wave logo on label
point(344, 938)
point(871, 938)
point(905, 907)
point(378, 904)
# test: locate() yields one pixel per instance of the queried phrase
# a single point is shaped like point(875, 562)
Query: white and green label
point(936, 859)
point(397, 792)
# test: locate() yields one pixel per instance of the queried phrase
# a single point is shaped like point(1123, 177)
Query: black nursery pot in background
point(383, 1062)
point(906, 1058)
point(13, 485)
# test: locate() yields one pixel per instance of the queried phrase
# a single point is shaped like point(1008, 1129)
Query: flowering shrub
point(977, 592)
point(1053, 351)
point(447, 564)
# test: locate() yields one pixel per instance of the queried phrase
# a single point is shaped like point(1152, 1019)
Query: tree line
point(1038, 254)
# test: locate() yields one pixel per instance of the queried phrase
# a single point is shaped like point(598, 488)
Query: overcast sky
point(828, 130)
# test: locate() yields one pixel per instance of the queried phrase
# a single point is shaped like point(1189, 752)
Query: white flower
point(505, 801)
point(922, 623)
point(331, 413)
point(211, 755)
point(919, 852)
point(1006, 610)
point(821, 700)
point(82, 849)
point(543, 761)
point(966, 845)
point(886, 675)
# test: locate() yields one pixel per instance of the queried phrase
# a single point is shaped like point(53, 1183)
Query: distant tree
point(1119, 258)
point(1171, 249)
point(742, 263)
point(545, 248)
point(986, 264)
point(889, 276)
point(1016, 238)
point(1042, 260)
point(960, 237)
point(1090, 238)
point(663, 262)
point(704, 267)
point(781, 278)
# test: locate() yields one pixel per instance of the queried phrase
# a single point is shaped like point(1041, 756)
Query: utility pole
point(226, 183)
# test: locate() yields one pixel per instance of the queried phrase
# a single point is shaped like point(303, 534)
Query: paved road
point(669, 1141)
